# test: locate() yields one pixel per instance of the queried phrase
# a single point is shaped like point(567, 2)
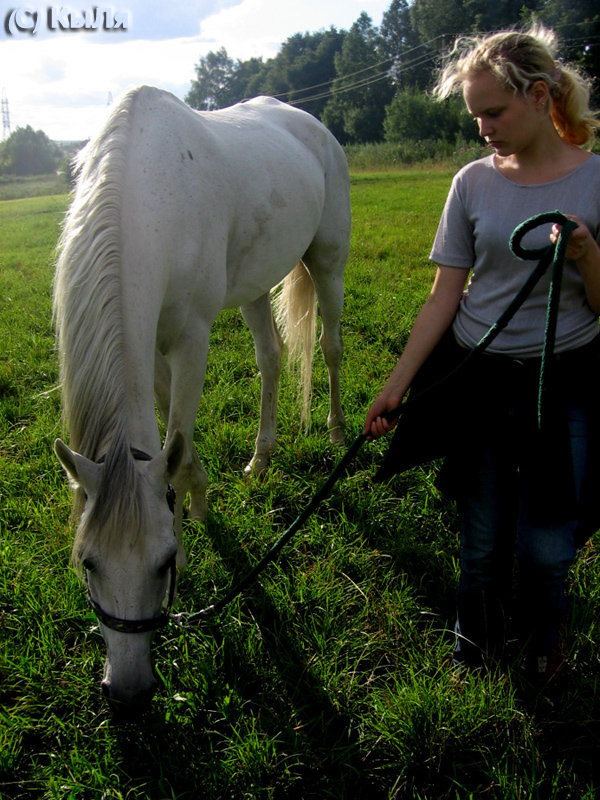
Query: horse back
point(240, 191)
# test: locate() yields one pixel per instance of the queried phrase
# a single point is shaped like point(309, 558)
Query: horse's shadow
point(320, 728)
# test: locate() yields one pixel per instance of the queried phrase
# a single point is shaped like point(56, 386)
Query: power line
point(391, 60)
point(590, 41)
point(393, 70)
point(417, 62)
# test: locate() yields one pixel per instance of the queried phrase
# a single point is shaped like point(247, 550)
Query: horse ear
point(81, 471)
point(174, 453)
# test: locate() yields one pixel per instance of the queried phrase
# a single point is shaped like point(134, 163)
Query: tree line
point(370, 84)
point(29, 152)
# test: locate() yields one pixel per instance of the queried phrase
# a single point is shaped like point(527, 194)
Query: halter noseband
point(137, 625)
point(151, 623)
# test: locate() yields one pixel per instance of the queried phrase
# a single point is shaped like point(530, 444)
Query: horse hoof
point(337, 436)
point(257, 468)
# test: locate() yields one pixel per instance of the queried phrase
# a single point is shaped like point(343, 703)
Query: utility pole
point(5, 116)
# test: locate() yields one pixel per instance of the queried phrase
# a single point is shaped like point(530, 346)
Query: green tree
point(29, 152)
point(437, 22)
point(214, 82)
point(361, 89)
point(311, 71)
point(244, 75)
point(415, 115)
point(300, 73)
point(400, 43)
point(578, 28)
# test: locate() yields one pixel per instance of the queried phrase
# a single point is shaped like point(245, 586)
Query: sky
point(59, 77)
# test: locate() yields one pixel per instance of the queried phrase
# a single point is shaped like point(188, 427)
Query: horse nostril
point(144, 698)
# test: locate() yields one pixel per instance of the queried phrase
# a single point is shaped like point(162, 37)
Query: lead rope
point(556, 257)
point(549, 255)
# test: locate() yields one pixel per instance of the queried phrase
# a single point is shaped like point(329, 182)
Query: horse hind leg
point(268, 347)
point(329, 286)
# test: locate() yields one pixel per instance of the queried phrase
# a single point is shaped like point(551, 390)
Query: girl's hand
point(583, 249)
point(377, 425)
point(581, 242)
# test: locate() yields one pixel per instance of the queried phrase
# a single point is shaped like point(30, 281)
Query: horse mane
point(87, 291)
point(88, 320)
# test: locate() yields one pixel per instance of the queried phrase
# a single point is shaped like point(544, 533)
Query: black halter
point(152, 623)
point(137, 625)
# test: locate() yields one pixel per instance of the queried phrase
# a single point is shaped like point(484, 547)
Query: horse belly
point(267, 239)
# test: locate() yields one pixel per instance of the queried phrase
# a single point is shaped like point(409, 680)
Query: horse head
point(126, 550)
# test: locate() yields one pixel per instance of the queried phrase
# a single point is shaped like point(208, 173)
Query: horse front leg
point(187, 368)
point(162, 385)
point(162, 395)
point(268, 347)
point(197, 482)
point(191, 478)
point(191, 475)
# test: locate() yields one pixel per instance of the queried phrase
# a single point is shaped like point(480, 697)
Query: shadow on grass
point(298, 741)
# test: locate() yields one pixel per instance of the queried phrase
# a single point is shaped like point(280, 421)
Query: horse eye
point(88, 565)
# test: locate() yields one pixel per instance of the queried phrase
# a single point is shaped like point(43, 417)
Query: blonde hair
point(518, 59)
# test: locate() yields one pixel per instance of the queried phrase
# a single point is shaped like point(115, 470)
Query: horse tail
point(296, 317)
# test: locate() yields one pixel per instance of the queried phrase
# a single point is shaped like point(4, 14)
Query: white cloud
point(157, 19)
point(64, 90)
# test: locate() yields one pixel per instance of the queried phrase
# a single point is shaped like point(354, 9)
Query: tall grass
point(410, 153)
point(331, 677)
point(12, 188)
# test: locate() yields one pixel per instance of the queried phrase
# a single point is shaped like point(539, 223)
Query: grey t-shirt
point(482, 210)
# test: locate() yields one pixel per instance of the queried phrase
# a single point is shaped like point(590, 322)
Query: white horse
point(176, 215)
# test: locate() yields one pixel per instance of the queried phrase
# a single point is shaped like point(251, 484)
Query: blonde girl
point(534, 113)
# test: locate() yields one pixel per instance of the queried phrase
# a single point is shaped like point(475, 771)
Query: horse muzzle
point(127, 701)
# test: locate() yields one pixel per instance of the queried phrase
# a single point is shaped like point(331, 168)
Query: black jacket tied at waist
point(494, 401)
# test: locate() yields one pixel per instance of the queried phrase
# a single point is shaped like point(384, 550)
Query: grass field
point(331, 677)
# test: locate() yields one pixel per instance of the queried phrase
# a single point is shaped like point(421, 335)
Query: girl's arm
point(433, 320)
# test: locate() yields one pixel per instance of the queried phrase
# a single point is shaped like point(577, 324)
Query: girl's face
point(510, 122)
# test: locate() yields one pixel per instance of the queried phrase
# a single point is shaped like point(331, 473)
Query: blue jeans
point(496, 528)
